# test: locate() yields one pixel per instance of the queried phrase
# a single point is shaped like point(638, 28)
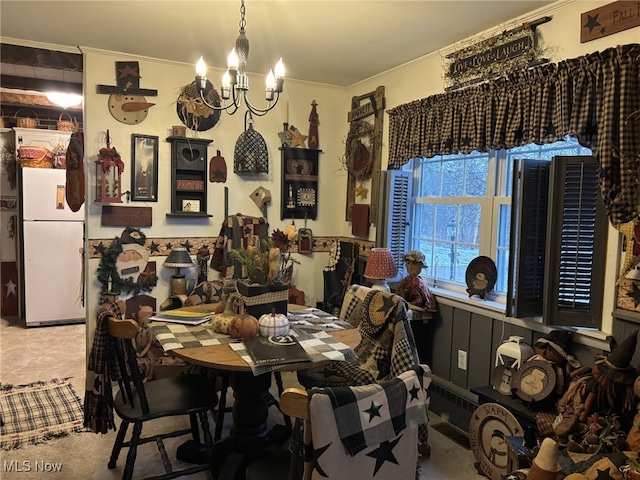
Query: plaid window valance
point(595, 98)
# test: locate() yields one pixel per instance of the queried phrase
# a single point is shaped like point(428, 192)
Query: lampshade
point(380, 266)
point(178, 258)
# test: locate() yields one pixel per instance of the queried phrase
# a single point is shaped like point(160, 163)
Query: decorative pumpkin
point(244, 326)
point(222, 321)
point(273, 324)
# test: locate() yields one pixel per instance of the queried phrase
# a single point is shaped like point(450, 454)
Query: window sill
point(496, 310)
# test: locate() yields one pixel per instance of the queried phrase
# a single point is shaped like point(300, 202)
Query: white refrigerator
point(51, 244)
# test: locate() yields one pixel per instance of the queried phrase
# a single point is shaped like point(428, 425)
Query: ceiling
point(332, 41)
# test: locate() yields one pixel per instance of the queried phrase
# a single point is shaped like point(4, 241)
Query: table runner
point(177, 335)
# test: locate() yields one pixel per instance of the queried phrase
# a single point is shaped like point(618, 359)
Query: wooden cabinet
point(189, 176)
point(299, 183)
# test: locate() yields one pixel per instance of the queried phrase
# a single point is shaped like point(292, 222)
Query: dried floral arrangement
point(270, 262)
point(9, 164)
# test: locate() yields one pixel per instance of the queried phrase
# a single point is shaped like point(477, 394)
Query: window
point(461, 207)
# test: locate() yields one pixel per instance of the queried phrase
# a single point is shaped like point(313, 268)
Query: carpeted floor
point(37, 412)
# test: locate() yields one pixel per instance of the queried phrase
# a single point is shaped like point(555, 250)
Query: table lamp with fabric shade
point(380, 266)
point(178, 258)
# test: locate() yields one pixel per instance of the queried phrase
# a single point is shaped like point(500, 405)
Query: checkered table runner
point(319, 346)
point(178, 335)
point(314, 320)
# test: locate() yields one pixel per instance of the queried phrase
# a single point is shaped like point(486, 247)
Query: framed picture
point(144, 171)
point(190, 205)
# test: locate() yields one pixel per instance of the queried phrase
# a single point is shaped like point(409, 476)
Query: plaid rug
point(37, 412)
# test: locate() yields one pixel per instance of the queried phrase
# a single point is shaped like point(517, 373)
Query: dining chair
point(386, 350)
point(352, 433)
point(139, 402)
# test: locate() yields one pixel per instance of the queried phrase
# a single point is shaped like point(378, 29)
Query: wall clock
point(129, 109)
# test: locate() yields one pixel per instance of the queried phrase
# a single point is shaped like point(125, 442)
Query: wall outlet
point(462, 359)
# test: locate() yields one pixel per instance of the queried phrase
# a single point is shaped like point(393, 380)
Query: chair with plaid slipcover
point(352, 433)
point(387, 348)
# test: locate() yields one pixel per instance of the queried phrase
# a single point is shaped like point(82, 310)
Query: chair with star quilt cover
point(386, 350)
point(353, 433)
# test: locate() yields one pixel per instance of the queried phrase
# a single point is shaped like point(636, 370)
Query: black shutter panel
point(576, 246)
point(392, 228)
point(529, 204)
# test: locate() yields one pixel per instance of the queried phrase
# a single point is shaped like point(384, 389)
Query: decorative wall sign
point(489, 425)
point(609, 19)
point(119, 216)
point(363, 106)
point(127, 103)
point(511, 50)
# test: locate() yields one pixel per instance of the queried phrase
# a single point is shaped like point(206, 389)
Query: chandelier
point(235, 82)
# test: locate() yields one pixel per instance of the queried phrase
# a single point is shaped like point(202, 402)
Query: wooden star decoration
point(100, 248)
point(128, 70)
point(362, 191)
point(218, 174)
point(154, 247)
point(187, 245)
point(297, 138)
point(384, 453)
point(168, 246)
point(373, 411)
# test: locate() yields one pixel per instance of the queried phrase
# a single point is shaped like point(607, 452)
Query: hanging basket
point(26, 122)
point(66, 125)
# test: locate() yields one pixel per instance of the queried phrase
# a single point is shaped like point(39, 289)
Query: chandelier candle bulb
point(235, 82)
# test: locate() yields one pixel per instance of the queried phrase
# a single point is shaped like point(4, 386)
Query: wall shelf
point(189, 177)
point(299, 183)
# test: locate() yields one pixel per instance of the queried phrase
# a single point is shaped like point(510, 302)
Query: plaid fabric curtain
point(595, 98)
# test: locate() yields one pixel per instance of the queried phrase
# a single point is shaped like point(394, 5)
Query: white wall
point(561, 40)
point(168, 78)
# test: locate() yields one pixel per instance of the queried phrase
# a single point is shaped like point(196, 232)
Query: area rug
point(37, 412)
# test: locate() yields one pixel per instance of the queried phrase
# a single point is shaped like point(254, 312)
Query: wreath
point(108, 271)
point(358, 157)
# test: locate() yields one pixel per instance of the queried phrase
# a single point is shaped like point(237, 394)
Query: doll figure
point(413, 287)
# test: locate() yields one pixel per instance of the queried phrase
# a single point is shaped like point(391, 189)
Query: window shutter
point(392, 227)
point(529, 203)
point(577, 230)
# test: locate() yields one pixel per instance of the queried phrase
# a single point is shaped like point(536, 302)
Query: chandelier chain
point(242, 23)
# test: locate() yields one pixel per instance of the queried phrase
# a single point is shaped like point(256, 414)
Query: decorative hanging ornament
point(193, 112)
point(250, 154)
point(109, 168)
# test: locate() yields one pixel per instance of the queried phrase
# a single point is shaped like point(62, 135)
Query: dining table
point(250, 383)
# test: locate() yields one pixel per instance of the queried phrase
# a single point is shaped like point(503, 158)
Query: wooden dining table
point(251, 395)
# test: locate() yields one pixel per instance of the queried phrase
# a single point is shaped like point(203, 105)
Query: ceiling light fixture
point(65, 100)
point(235, 82)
